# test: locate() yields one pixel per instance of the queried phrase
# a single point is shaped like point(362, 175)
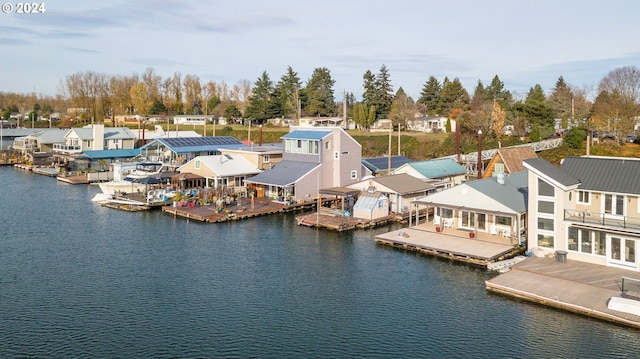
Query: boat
point(138, 180)
point(146, 169)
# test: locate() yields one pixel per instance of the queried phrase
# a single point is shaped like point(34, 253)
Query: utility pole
point(479, 154)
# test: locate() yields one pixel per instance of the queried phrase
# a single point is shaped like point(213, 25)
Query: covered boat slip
point(453, 244)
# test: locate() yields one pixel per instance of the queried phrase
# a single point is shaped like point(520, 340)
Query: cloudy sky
point(523, 42)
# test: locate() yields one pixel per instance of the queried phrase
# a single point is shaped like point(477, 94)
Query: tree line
point(489, 108)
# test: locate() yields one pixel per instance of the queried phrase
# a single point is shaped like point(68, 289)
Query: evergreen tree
point(369, 94)
point(385, 93)
point(430, 95)
point(560, 100)
point(496, 92)
point(539, 113)
point(319, 90)
point(288, 94)
point(260, 100)
point(454, 96)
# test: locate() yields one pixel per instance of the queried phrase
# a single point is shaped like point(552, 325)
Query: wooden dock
point(342, 223)
point(210, 214)
point(573, 286)
point(454, 245)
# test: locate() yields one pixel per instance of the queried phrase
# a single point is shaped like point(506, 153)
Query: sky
point(524, 43)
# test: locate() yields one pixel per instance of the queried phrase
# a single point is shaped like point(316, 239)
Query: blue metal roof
point(196, 144)
point(101, 154)
point(306, 135)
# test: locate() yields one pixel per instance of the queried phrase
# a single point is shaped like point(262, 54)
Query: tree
point(319, 90)
point(363, 115)
point(560, 100)
point(430, 95)
point(378, 91)
point(232, 112)
point(623, 88)
point(402, 109)
point(496, 92)
point(498, 117)
point(260, 99)
point(454, 96)
point(140, 98)
point(288, 89)
point(193, 94)
point(539, 113)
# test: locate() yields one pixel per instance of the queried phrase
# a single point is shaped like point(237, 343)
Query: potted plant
point(438, 229)
point(472, 234)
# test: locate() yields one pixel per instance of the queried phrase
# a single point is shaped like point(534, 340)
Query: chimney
point(500, 176)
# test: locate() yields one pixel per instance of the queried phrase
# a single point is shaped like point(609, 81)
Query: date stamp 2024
point(23, 8)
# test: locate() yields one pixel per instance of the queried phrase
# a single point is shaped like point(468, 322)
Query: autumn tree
point(140, 98)
point(498, 117)
point(622, 88)
point(402, 109)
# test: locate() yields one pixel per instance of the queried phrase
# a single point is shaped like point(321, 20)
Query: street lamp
point(479, 154)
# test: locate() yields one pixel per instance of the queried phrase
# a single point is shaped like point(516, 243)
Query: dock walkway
point(453, 246)
point(573, 286)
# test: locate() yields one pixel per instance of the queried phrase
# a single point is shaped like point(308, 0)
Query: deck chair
point(494, 231)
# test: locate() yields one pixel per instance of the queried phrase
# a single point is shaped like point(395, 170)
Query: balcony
point(602, 219)
point(65, 148)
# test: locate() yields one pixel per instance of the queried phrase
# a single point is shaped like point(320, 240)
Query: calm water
point(80, 280)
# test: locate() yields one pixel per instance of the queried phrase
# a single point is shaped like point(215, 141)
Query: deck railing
point(602, 219)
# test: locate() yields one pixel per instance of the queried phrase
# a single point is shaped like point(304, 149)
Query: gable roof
point(438, 168)
point(553, 173)
point(512, 157)
point(49, 135)
point(403, 183)
point(381, 164)
point(485, 195)
point(112, 133)
point(605, 174)
point(226, 165)
point(283, 173)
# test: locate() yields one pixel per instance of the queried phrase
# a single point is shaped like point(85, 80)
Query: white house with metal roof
point(401, 190)
point(495, 205)
point(40, 141)
point(445, 169)
point(222, 171)
point(95, 138)
point(313, 158)
point(588, 209)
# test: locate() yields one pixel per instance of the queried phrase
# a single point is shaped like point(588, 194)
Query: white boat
point(134, 182)
point(113, 188)
point(146, 169)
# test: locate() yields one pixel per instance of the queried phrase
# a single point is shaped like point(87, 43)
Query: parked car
point(631, 138)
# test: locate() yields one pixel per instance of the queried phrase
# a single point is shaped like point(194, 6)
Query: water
point(80, 280)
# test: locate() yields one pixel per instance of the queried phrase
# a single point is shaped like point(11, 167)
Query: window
point(583, 197)
point(585, 241)
point(467, 219)
point(572, 239)
point(545, 240)
point(600, 245)
point(326, 145)
point(238, 181)
point(545, 224)
point(197, 164)
point(446, 212)
point(266, 158)
point(614, 204)
point(545, 189)
point(504, 221)
point(545, 207)
point(354, 174)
